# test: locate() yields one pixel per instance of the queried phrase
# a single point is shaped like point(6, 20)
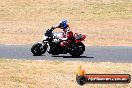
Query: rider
point(67, 32)
point(63, 25)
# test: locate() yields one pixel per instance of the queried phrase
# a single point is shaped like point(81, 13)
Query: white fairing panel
point(58, 35)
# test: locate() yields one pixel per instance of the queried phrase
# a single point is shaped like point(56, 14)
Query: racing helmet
point(63, 24)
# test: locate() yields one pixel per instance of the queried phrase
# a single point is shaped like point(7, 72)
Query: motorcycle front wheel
point(38, 49)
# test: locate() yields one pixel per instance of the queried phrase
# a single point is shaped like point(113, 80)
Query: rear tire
point(37, 50)
point(78, 50)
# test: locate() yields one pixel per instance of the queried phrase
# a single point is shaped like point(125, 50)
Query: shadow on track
point(73, 57)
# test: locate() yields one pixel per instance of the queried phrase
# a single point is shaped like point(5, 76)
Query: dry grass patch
point(106, 22)
point(55, 74)
point(111, 32)
point(56, 9)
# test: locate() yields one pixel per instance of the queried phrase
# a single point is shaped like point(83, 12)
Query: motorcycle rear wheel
point(78, 50)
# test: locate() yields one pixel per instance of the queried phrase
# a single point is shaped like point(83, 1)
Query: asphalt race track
point(92, 53)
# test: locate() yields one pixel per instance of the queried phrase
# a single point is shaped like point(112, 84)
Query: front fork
point(43, 44)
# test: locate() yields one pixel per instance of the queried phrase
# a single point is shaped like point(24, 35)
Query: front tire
point(37, 49)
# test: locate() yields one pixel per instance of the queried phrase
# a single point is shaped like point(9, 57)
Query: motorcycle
point(59, 46)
